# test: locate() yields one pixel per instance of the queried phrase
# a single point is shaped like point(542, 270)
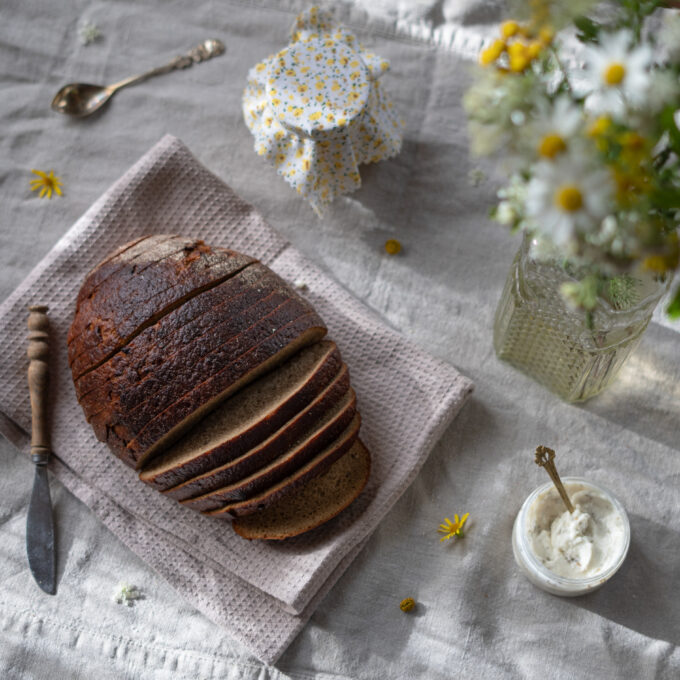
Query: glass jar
point(532, 566)
point(573, 354)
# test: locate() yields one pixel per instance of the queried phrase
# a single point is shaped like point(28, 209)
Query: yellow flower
point(518, 57)
point(451, 529)
point(509, 28)
point(546, 35)
point(407, 605)
point(47, 183)
point(392, 246)
point(315, 116)
point(491, 53)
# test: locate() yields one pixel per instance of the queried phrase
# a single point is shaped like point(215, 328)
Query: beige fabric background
point(477, 617)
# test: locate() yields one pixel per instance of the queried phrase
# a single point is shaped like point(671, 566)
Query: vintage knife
point(40, 522)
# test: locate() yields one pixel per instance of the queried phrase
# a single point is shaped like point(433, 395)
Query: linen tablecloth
point(477, 615)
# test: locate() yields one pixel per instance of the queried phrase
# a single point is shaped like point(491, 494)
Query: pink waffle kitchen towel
point(406, 397)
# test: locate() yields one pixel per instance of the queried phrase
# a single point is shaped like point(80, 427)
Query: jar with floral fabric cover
point(592, 143)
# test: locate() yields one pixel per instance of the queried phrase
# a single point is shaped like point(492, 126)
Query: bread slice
point(152, 360)
point(130, 300)
point(263, 488)
point(170, 424)
point(309, 431)
point(191, 367)
point(316, 502)
point(248, 418)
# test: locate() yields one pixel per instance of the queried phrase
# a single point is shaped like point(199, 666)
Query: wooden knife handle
point(38, 378)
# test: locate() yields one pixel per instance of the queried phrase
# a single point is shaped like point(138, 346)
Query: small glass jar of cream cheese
point(571, 554)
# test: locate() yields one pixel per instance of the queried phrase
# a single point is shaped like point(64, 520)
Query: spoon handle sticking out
point(206, 50)
point(545, 457)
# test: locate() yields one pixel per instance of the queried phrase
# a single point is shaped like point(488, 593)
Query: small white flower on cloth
point(88, 33)
point(127, 594)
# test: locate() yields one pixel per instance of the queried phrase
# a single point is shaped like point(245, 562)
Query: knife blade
point(40, 533)
point(40, 521)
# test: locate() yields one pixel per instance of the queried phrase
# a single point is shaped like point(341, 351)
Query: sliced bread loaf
point(313, 468)
point(248, 418)
point(316, 502)
point(193, 365)
point(145, 364)
point(130, 300)
point(235, 374)
point(145, 367)
point(340, 425)
point(294, 433)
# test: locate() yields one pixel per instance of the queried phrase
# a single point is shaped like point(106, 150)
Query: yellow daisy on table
point(453, 529)
point(47, 183)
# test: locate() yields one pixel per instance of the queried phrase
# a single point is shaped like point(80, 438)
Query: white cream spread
point(575, 545)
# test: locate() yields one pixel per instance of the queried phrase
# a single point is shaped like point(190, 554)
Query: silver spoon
point(81, 99)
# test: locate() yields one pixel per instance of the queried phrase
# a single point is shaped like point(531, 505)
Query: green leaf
point(673, 309)
point(588, 29)
point(667, 119)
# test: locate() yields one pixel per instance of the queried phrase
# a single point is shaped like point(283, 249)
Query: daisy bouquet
point(583, 101)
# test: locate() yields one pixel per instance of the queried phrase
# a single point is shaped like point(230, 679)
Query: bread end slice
point(317, 502)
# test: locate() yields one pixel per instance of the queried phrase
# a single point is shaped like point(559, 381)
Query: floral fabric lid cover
point(316, 110)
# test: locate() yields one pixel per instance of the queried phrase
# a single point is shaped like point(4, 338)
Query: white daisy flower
point(616, 75)
point(568, 196)
point(557, 122)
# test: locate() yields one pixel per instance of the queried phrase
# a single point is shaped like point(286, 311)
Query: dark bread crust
point(123, 268)
point(315, 503)
point(148, 363)
point(116, 260)
point(269, 449)
point(159, 280)
point(315, 467)
point(165, 473)
point(325, 443)
point(200, 374)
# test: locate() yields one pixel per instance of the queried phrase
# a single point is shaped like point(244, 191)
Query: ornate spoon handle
point(545, 457)
point(206, 50)
point(38, 378)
